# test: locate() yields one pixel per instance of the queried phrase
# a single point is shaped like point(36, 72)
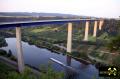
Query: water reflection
point(68, 59)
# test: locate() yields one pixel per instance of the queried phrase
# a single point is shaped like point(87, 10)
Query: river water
point(35, 57)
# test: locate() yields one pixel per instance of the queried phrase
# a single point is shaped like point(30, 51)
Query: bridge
point(97, 24)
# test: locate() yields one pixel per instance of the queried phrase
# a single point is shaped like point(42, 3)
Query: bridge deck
point(41, 22)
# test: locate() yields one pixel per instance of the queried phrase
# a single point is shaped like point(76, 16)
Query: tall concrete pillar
point(19, 50)
point(95, 29)
point(69, 38)
point(100, 24)
point(86, 31)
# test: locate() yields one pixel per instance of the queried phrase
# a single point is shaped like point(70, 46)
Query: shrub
point(114, 43)
point(49, 73)
point(3, 52)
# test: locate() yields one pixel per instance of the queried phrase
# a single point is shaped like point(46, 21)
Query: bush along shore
point(7, 54)
point(7, 72)
point(2, 42)
point(43, 44)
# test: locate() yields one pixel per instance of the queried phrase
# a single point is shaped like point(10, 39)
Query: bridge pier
point(69, 38)
point(69, 43)
point(100, 24)
point(20, 58)
point(86, 31)
point(95, 29)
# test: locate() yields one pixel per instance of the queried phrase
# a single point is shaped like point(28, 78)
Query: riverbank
point(7, 54)
point(5, 70)
point(9, 70)
point(81, 57)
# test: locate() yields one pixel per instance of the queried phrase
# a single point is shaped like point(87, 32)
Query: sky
point(97, 8)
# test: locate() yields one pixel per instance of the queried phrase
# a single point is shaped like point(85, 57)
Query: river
point(35, 57)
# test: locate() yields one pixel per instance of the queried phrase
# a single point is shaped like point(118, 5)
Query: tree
point(114, 46)
point(9, 53)
point(114, 43)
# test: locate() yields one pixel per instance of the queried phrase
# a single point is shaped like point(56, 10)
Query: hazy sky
point(99, 8)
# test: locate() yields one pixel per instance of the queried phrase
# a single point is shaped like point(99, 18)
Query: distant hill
point(34, 14)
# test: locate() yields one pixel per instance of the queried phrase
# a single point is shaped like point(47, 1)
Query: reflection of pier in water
point(70, 72)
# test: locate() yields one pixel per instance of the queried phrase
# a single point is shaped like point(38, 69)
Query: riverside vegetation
point(8, 73)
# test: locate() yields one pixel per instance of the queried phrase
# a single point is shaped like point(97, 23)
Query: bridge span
point(97, 24)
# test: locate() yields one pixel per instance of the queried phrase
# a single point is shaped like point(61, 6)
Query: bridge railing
point(18, 26)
